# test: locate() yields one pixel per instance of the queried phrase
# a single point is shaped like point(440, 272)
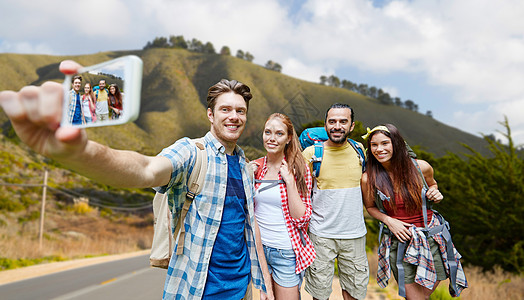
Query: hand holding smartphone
point(103, 94)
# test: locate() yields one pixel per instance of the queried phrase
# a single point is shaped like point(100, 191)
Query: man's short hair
point(77, 77)
point(227, 86)
point(340, 105)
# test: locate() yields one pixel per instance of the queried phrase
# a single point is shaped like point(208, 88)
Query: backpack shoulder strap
point(423, 194)
point(316, 160)
point(197, 176)
point(194, 187)
point(360, 151)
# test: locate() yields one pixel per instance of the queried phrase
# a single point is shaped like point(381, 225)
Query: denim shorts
point(281, 264)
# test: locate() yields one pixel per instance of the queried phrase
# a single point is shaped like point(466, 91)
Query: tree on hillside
point(398, 102)
point(348, 85)
point(208, 48)
point(240, 54)
point(178, 42)
point(333, 81)
point(323, 80)
point(274, 66)
point(225, 51)
point(362, 89)
point(429, 113)
point(249, 57)
point(195, 45)
point(409, 104)
point(373, 92)
point(385, 98)
point(158, 42)
point(484, 204)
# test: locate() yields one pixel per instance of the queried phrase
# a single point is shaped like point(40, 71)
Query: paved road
point(116, 279)
point(130, 278)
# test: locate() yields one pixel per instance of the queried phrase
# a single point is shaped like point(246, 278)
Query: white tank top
point(270, 218)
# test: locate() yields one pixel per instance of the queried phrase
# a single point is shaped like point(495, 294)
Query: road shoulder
point(13, 275)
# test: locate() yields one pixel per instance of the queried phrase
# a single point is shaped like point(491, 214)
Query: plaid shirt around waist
point(418, 253)
point(187, 273)
point(305, 254)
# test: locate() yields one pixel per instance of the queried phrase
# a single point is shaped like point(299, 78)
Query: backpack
point(163, 240)
point(316, 136)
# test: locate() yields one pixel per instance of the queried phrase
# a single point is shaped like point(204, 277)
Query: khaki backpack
point(163, 240)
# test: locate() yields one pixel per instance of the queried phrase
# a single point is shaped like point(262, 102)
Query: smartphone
point(103, 94)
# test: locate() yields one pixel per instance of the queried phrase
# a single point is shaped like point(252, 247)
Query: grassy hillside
point(175, 84)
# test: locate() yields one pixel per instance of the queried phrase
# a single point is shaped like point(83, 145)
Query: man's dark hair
point(340, 105)
point(77, 77)
point(227, 86)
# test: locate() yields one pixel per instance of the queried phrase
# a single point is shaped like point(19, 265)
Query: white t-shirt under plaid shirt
point(186, 275)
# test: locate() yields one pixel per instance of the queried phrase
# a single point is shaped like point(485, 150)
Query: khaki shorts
point(353, 270)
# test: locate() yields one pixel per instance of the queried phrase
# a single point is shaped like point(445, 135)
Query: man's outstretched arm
point(35, 113)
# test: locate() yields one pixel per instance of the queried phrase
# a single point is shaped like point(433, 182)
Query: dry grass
point(482, 285)
point(492, 285)
point(69, 234)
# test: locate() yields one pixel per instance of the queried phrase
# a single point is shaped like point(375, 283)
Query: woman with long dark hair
point(283, 207)
point(392, 188)
point(115, 101)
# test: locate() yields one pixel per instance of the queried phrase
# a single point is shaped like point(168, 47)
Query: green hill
point(175, 84)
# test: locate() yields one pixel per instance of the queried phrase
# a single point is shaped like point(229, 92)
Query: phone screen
point(103, 94)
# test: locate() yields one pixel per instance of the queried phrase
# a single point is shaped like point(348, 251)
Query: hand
point(35, 114)
point(399, 229)
point(287, 176)
point(433, 194)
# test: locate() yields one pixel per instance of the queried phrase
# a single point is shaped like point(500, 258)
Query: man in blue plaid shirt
point(219, 258)
point(75, 114)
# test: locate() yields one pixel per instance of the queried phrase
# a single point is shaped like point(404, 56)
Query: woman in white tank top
point(283, 208)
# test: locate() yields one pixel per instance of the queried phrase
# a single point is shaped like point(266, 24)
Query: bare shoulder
point(364, 178)
point(423, 164)
point(425, 167)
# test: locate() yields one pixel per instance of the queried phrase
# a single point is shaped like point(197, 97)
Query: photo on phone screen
point(104, 94)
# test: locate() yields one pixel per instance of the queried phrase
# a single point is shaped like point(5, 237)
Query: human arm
point(399, 228)
point(35, 114)
point(433, 193)
point(263, 265)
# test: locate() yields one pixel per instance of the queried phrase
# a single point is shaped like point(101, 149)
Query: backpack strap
point(423, 195)
point(442, 228)
point(194, 187)
point(380, 197)
point(360, 151)
point(272, 183)
point(316, 159)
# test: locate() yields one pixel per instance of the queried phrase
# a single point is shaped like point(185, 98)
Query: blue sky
point(461, 59)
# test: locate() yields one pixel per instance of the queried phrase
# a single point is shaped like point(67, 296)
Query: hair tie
point(380, 127)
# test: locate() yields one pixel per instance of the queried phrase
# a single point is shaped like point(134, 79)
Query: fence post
point(42, 212)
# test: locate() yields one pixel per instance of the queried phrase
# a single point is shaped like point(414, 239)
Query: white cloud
point(25, 47)
point(298, 69)
point(474, 49)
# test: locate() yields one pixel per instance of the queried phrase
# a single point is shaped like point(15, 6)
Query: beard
point(339, 140)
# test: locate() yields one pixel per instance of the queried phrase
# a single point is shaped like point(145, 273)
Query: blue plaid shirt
point(187, 273)
point(72, 105)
